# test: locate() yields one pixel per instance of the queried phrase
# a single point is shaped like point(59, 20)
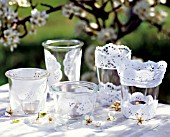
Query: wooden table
point(159, 126)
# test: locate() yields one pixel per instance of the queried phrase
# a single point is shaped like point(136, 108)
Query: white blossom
point(145, 12)
point(33, 30)
point(11, 15)
point(7, 14)
point(157, 15)
point(70, 9)
point(4, 4)
point(116, 3)
point(10, 39)
point(21, 3)
point(88, 120)
point(142, 9)
point(152, 2)
point(162, 1)
point(38, 18)
point(106, 34)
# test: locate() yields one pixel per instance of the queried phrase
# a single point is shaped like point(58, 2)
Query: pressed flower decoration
point(111, 116)
point(116, 106)
point(140, 120)
point(8, 112)
point(88, 120)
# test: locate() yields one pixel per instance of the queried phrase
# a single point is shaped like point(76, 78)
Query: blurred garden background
point(144, 43)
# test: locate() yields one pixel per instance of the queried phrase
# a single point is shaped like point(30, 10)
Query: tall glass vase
point(63, 60)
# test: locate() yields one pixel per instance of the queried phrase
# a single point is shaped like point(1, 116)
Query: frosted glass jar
point(27, 90)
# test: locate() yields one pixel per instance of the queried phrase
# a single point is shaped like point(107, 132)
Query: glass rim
point(77, 43)
point(128, 54)
point(45, 74)
point(83, 83)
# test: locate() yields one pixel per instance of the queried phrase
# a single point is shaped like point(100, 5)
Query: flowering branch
point(96, 16)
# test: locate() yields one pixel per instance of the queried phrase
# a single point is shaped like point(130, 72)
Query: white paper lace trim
point(54, 67)
point(146, 111)
point(76, 105)
point(108, 94)
point(140, 74)
point(105, 56)
point(72, 62)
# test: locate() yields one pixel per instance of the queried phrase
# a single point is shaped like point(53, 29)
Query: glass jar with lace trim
point(109, 81)
point(63, 60)
point(140, 87)
point(28, 90)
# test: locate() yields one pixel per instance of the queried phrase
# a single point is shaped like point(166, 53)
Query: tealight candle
point(136, 102)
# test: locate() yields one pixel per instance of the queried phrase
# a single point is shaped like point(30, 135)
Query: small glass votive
point(108, 78)
point(140, 87)
point(74, 99)
point(27, 90)
point(63, 60)
point(139, 102)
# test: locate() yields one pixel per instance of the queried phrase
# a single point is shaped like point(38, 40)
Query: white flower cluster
point(145, 12)
point(9, 36)
point(142, 9)
point(71, 9)
point(157, 15)
point(21, 3)
point(106, 34)
point(156, 1)
point(7, 14)
point(37, 19)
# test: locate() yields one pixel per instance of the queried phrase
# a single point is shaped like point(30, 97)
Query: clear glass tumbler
point(63, 60)
point(27, 90)
point(74, 99)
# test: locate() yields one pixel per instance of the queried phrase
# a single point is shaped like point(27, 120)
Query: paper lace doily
point(72, 62)
point(105, 56)
point(140, 74)
point(108, 94)
point(73, 104)
point(54, 67)
point(146, 111)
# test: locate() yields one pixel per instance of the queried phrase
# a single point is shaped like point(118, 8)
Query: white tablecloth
point(159, 126)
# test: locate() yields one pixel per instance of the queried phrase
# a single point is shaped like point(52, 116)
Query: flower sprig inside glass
point(27, 90)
